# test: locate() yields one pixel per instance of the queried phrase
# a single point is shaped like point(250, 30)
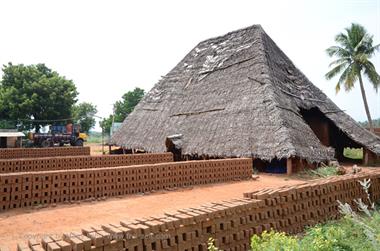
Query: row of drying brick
point(81, 162)
point(316, 201)
point(15, 153)
point(231, 223)
point(184, 230)
point(33, 188)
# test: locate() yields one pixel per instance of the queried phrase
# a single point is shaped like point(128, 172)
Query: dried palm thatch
point(237, 95)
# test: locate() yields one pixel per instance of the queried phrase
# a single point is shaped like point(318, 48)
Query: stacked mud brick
point(294, 207)
point(231, 223)
point(80, 162)
point(24, 189)
point(15, 153)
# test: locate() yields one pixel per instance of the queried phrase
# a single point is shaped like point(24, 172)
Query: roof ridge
point(254, 26)
point(273, 83)
point(270, 82)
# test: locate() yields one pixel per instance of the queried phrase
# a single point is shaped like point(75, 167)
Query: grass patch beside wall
point(320, 172)
point(344, 234)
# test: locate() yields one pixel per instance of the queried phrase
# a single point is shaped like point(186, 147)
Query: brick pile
point(295, 207)
point(24, 189)
point(81, 162)
point(231, 223)
point(15, 153)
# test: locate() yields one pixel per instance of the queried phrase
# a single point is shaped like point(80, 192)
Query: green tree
point(4, 123)
point(123, 107)
point(83, 114)
point(128, 102)
point(375, 122)
point(35, 92)
point(106, 124)
point(352, 59)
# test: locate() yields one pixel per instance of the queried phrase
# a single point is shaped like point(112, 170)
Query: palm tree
point(353, 54)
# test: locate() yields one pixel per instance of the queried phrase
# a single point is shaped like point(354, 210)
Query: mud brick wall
point(231, 223)
point(24, 189)
point(81, 162)
point(15, 153)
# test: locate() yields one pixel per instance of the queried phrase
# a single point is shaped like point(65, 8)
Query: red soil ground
point(21, 224)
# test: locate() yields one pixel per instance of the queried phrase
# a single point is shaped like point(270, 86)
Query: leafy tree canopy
point(352, 55)
point(353, 52)
point(123, 107)
point(106, 124)
point(83, 114)
point(35, 92)
point(376, 123)
point(128, 102)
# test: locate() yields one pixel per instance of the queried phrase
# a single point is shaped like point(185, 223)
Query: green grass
point(96, 137)
point(343, 234)
point(353, 153)
point(92, 139)
point(320, 172)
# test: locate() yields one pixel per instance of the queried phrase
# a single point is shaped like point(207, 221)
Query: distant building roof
point(11, 134)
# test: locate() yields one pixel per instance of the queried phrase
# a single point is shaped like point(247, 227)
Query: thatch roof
point(236, 95)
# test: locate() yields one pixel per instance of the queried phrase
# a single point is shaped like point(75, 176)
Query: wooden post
point(300, 165)
point(369, 158)
point(289, 166)
point(365, 157)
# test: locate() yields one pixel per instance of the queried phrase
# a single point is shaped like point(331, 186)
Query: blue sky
point(110, 47)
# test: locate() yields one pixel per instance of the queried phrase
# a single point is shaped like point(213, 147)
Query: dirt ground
point(96, 148)
point(21, 224)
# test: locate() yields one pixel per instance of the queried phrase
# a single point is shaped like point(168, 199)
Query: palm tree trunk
point(365, 103)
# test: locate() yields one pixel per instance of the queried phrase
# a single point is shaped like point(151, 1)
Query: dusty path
point(19, 225)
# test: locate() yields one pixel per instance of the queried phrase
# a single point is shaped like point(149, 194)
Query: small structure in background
point(114, 127)
point(376, 131)
point(10, 138)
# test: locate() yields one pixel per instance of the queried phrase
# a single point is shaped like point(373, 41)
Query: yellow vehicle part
point(83, 136)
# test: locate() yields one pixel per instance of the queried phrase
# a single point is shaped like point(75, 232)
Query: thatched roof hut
point(239, 95)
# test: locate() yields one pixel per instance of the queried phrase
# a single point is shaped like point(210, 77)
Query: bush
point(274, 241)
point(344, 234)
point(325, 171)
point(320, 172)
point(339, 235)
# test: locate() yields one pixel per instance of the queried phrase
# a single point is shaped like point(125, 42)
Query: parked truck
point(59, 135)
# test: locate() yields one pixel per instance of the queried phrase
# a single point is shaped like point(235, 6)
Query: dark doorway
point(174, 145)
point(3, 142)
point(327, 132)
point(273, 166)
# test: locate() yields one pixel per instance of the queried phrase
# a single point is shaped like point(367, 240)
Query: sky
point(110, 47)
